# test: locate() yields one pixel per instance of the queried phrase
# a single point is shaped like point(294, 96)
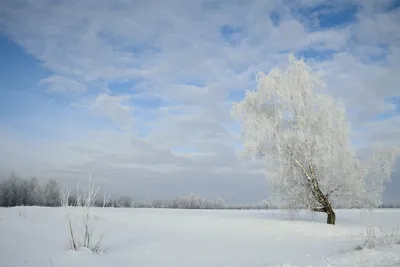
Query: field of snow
point(37, 236)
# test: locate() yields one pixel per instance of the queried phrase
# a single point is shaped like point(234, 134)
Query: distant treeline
point(19, 192)
point(389, 206)
point(15, 191)
point(193, 201)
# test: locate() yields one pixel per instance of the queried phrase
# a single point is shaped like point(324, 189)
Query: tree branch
point(320, 209)
point(332, 191)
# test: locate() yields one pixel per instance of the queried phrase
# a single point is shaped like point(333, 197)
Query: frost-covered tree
point(13, 191)
point(52, 194)
point(35, 192)
point(302, 134)
point(124, 201)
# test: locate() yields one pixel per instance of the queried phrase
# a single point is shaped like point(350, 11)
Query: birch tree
point(302, 134)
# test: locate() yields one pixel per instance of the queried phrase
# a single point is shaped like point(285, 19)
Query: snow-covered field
point(37, 236)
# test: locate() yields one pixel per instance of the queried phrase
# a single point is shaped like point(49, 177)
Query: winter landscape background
point(137, 96)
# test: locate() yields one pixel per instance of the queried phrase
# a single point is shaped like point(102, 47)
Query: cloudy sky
point(138, 92)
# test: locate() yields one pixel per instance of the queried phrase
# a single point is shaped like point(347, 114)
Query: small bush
point(379, 237)
point(84, 203)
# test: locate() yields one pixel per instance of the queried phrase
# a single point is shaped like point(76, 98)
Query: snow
point(37, 237)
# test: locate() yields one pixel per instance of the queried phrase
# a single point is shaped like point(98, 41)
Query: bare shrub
point(106, 201)
point(64, 199)
point(83, 204)
point(21, 214)
point(380, 237)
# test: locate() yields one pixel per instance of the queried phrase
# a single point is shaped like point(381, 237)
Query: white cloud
point(377, 28)
point(363, 87)
point(114, 108)
point(60, 84)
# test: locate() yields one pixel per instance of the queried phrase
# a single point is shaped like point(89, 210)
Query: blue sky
point(158, 83)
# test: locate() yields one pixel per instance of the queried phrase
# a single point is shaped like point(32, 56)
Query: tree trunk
point(331, 216)
point(322, 199)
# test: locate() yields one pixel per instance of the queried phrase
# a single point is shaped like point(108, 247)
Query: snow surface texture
point(37, 237)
